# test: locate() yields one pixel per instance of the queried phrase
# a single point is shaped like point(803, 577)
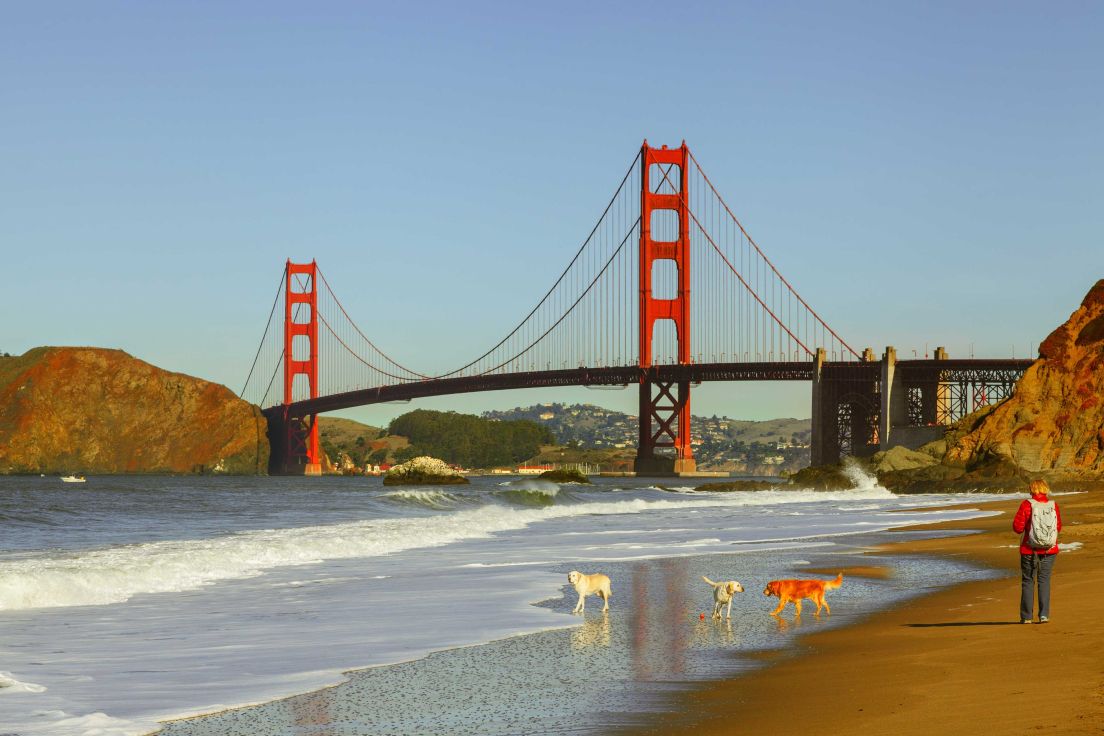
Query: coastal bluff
point(97, 410)
point(1053, 423)
point(1051, 426)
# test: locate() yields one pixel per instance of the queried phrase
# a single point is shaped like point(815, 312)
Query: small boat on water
point(73, 479)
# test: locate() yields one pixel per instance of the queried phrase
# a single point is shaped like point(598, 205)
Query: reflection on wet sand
point(313, 709)
point(595, 632)
point(712, 633)
point(659, 640)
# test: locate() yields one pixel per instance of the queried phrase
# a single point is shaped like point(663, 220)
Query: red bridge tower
point(664, 405)
point(300, 434)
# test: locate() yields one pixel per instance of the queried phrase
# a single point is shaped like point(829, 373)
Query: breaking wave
point(530, 492)
point(116, 574)
point(426, 498)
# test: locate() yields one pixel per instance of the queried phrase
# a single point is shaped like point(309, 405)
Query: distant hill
point(737, 445)
point(461, 439)
point(95, 410)
point(348, 443)
point(593, 425)
point(577, 433)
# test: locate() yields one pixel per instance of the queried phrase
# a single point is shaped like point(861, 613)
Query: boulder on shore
point(565, 475)
point(95, 410)
point(741, 485)
point(900, 458)
point(822, 478)
point(423, 471)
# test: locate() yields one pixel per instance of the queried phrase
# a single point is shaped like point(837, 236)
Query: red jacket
point(1023, 520)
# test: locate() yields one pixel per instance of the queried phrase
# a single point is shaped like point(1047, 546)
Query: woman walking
point(1038, 521)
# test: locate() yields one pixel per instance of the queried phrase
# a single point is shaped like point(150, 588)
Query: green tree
point(471, 441)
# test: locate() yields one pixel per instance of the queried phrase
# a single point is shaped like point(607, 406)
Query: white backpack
point(1042, 530)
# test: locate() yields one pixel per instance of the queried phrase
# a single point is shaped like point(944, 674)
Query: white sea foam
point(61, 723)
point(8, 684)
point(862, 480)
point(104, 576)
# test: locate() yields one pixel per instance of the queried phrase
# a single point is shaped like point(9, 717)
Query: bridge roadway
point(983, 370)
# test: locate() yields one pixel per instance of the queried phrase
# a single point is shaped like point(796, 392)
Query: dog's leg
point(781, 604)
point(579, 605)
point(729, 610)
point(716, 610)
point(797, 607)
point(826, 608)
point(605, 600)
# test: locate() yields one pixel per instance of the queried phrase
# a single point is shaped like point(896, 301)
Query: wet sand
point(611, 671)
point(950, 662)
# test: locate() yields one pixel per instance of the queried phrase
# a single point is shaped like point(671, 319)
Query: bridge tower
point(299, 435)
point(664, 405)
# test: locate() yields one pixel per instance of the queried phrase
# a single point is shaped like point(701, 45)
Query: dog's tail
point(833, 584)
point(710, 581)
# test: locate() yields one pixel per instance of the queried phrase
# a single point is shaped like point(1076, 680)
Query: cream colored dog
point(589, 584)
point(722, 595)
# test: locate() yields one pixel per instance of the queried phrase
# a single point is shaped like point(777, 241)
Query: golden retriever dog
point(722, 595)
point(796, 590)
point(596, 584)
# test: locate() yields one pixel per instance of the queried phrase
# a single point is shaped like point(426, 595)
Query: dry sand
point(953, 662)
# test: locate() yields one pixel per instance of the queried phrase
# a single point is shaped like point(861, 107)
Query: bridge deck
point(626, 375)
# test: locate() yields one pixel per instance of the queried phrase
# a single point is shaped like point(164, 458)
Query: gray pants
point(1032, 566)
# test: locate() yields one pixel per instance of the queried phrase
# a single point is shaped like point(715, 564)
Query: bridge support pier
point(289, 442)
point(914, 405)
point(845, 410)
point(664, 423)
point(825, 438)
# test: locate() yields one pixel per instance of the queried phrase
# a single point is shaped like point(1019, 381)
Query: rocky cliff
point(1052, 425)
point(104, 411)
point(1054, 422)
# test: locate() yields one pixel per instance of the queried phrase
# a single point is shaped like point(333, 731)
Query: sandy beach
point(950, 662)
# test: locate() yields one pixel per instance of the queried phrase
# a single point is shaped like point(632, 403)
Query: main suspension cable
point(586, 242)
point(279, 287)
point(764, 255)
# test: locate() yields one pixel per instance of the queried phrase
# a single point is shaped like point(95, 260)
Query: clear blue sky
point(923, 173)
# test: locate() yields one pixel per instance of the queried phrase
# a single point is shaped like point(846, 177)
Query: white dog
point(586, 585)
point(722, 595)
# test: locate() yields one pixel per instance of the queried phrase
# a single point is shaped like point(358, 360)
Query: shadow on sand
point(963, 623)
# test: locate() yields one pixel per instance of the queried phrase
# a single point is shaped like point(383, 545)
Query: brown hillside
point(1054, 422)
point(103, 411)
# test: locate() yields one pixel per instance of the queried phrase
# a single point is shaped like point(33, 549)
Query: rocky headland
point(1052, 426)
point(95, 410)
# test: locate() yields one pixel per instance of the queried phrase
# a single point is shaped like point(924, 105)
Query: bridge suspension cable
point(571, 279)
point(264, 336)
point(836, 340)
point(743, 310)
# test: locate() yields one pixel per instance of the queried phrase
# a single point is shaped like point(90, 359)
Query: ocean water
point(129, 601)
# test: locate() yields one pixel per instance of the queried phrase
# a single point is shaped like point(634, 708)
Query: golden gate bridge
point(667, 290)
